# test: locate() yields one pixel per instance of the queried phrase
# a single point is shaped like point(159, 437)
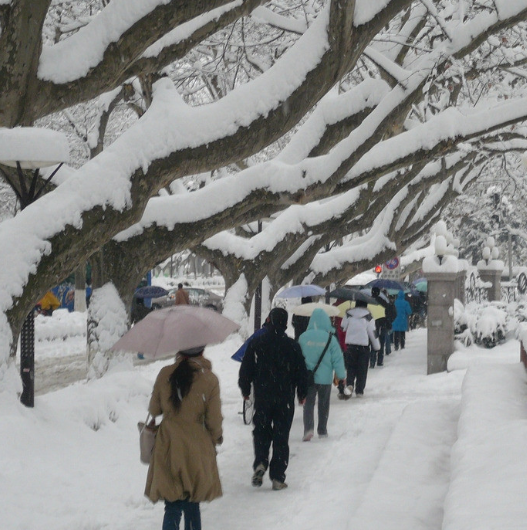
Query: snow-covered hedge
point(488, 323)
point(60, 326)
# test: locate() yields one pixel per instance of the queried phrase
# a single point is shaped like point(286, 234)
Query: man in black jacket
point(273, 363)
point(383, 326)
point(299, 322)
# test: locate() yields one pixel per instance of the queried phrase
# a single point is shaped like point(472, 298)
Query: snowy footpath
point(445, 451)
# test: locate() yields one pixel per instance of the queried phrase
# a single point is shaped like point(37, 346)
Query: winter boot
point(307, 436)
point(259, 472)
point(277, 485)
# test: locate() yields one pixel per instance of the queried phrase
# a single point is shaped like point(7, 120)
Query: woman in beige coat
point(183, 471)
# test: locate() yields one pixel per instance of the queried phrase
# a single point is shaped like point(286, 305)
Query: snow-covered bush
point(484, 323)
point(491, 326)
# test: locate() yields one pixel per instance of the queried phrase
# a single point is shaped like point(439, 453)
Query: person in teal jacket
point(313, 342)
point(400, 324)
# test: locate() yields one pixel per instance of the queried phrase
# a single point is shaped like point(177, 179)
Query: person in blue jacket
point(400, 324)
point(313, 341)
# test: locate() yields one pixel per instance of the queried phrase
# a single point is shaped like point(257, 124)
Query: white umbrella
point(306, 310)
point(167, 331)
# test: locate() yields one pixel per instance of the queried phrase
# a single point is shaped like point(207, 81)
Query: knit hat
point(278, 318)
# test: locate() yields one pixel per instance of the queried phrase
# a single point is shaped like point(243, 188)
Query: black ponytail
point(181, 381)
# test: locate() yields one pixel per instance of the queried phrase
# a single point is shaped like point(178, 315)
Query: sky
point(444, 451)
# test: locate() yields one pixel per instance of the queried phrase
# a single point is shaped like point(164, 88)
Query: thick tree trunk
point(80, 288)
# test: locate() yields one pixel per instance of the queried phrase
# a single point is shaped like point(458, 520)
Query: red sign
point(392, 264)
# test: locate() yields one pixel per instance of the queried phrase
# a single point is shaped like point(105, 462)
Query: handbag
point(311, 373)
point(147, 439)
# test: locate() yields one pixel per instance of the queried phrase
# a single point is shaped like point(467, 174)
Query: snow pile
point(489, 461)
point(60, 326)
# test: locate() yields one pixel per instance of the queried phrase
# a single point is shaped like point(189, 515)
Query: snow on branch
point(395, 72)
point(188, 29)
point(266, 16)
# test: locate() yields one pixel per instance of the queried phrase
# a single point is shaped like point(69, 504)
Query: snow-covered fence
point(476, 290)
point(509, 291)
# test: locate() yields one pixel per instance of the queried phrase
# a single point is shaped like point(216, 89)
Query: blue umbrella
point(301, 291)
point(150, 291)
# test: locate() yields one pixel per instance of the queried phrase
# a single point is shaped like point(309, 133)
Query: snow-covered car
point(197, 296)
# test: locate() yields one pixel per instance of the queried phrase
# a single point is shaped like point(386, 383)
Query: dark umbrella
point(343, 293)
point(384, 283)
point(150, 291)
point(410, 289)
point(352, 294)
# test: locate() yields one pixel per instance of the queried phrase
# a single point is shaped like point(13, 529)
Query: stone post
point(522, 335)
point(490, 272)
point(444, 280)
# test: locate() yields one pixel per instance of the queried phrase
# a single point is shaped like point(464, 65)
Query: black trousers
point(272, 423)
point(399, 339)
point(357, 359)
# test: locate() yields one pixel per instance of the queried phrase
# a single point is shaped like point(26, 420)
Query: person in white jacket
point(359, 326)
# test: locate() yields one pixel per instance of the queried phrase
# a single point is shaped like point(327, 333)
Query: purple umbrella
point(166, 331)
point(301, 291)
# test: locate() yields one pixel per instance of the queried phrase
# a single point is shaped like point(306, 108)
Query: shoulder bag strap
point(323, 352)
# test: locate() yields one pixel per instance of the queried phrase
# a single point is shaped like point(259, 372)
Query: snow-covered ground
point(417, 452)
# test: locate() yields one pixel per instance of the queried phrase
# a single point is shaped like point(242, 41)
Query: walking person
point(360, 334)
point(300, 322)
point(182, 296)
point(400, 324)
point(382, 327)
point(390, 317)
point(323, 355)
point(273, 363)
point(183, 471)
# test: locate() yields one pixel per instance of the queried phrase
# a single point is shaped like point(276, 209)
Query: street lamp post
point(258, 297)
point(29, 148)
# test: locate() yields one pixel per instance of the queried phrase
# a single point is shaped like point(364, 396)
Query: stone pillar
point(442, 288)
point(522, 335)
point(490, 272)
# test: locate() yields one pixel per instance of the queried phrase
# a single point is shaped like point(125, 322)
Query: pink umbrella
point(167, 331)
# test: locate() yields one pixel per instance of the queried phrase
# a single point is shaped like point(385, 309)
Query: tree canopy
point(347, 126)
